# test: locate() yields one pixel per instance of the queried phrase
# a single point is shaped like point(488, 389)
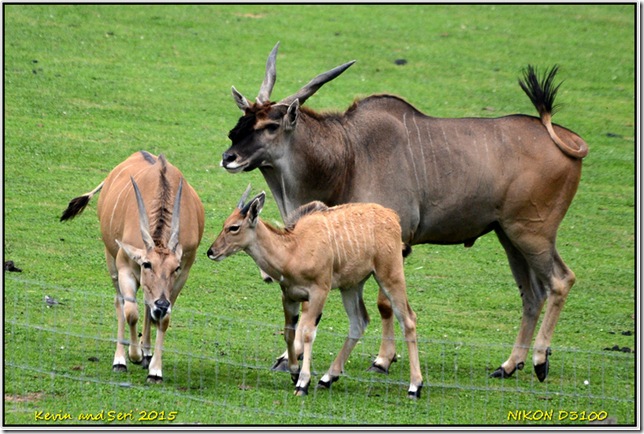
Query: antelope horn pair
point(144, 223)
point(263, 97)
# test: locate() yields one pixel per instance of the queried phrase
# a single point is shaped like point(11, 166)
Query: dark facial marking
point(243, 128)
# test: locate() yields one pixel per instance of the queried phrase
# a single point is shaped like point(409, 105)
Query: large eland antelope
point(450, 181)
point(151, 222)
point(320, 249)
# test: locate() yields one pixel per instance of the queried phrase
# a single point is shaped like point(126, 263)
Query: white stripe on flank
point(342, 250)
point(422, 152)
point(332, 241)
point(354, 236)
point(411, 153)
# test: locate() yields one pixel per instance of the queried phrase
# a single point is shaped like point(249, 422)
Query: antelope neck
point(271, 249)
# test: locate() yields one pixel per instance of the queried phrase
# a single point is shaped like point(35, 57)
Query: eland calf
point(151, 223)
point(323, 248)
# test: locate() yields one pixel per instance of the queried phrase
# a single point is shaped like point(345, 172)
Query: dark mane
point(382, 98)
point(161, 214)
point(309, 208)
point(321, 115)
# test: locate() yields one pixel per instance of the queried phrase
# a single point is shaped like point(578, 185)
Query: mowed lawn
point(85, 86)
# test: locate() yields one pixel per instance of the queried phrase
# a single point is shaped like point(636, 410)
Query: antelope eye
point(177, 269)
point(233, 228)
point(147, 265)
point(271, 128)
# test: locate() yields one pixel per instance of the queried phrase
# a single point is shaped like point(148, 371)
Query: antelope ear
point(290, 119)
point(255, 208)
point(241, 101)
point(132, 252)
point(178, 252)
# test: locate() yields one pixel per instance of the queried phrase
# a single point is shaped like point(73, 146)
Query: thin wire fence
point(224, 363)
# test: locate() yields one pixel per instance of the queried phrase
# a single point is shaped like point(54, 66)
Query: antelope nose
point(228, 157)
point(210, 253)
point(161, 307)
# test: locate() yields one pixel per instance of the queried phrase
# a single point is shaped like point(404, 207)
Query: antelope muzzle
point(160, 309)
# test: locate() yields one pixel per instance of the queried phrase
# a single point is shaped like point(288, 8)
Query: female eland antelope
point(323, 248)
point(149, 242)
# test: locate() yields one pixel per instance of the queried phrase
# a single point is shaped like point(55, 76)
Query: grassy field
point(86, 86)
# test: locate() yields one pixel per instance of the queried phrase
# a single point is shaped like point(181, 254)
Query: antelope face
point(234, 237)
point(260, 137)
point(159, 269)
point(160, 263)
point(238, 232)
point(157, 279)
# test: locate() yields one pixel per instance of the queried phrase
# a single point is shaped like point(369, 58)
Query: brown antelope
point(149, 242)
point(450, 181)
point(325, 248)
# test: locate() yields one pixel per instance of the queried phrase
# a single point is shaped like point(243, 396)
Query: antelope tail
point(542, 93)
point(78, 204)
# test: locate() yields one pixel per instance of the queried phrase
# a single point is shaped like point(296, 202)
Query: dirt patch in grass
point(29, 397)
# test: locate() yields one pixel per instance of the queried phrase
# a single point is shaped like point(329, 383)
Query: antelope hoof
point(542, 369)
point(500, 373)
point(378, 369)
point(414, 394)
point(154, 379)
point(302, 391)
point(295, 376)
point(119, 368)
point(145, 362)
point(327, 384)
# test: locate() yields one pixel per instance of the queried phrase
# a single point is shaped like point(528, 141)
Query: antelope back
point(354, 232)
point(158, 182)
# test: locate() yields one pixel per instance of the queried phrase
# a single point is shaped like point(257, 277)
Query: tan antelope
point(449, 180)
point(151, 222)
point(323, 248)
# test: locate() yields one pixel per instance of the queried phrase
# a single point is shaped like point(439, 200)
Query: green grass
point(86, 86)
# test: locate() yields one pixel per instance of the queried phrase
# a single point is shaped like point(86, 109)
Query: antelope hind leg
point(387, 353)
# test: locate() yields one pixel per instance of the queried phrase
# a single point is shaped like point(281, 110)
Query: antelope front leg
point(155, 373)
point(281, 364)
point(309, 322)
point(145, 339)
point(127, 311)
point(119, 364)
point(291, 311)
